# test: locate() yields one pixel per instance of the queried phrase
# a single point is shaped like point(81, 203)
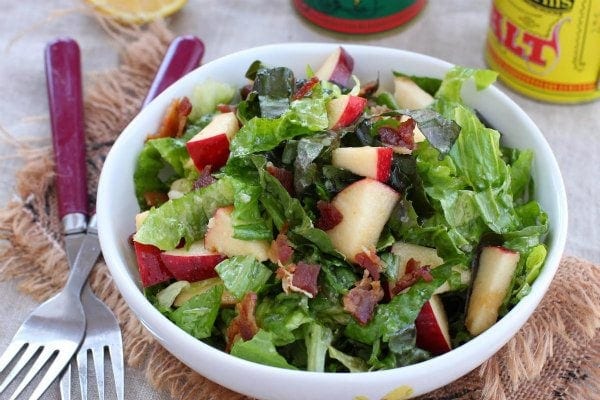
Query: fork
point(53, 331)
point(102, 330)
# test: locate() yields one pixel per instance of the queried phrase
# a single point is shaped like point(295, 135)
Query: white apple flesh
point(192, 264)
point(210, 146)
point(409, 95)
point(344, 110)
point(432, 327)
point(367, 161)
point(365, 205)
point(492, 281)
point(337, 68)
point(219, 238)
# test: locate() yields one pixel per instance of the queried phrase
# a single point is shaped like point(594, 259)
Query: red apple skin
point(337, 68)
point(210, 146)
point(344, 110)
point(384, 163)
point(150, 265)
point(192, 268)
point(367, 161)
point(432, 329)
point(213, 151)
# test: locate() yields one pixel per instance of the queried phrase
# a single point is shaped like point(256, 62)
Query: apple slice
point(370, 162)
point(210, 146)
point(432, 327)
point(193, 264)
point(409, 95)
point(150, 265)
point(424, 255)
point(365, 205)
point(344, 110)
point(337, 68)
point(497, 266)
point(219, 238)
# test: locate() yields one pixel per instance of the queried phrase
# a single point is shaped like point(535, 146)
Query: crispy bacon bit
point(155, 199)
point(329, 216)
point(413, 273)
point(225, 108)
point(402, 136)
point(369, 88)
point(361, 300)
point(306, 88)
point(244, 324)
point(369, 260)
point(174, 120)
point(281, 251)
point(305, 277)
point(205, 178)
point(285, 177)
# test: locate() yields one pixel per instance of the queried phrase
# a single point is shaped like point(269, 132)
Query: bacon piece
point(361, 300)
point(329, 216)
point(402, 136)
point(370, 261)
point(225, 108)
point(205, 178)
point(306, 88)
point(414, 272)
point(285, 177)
point(281, 251)
point(244, 324)
point(305, 277)
point(174, 120)
point(155, 199)
point(369, 88)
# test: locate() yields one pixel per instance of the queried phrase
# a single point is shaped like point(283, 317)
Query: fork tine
point(37, 366)
point(98, 357)
point(11, 351)
point(116, 358)
point(27, 355)
point(59, 363)
point(65, 383)
point(82, 371)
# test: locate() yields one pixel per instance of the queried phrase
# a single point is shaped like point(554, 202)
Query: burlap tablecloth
point(564, 329)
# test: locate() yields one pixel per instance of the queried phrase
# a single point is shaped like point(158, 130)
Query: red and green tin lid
point(359, 16)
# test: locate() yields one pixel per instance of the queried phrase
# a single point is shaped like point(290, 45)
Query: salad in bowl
point(314, 221)
point(324, 223)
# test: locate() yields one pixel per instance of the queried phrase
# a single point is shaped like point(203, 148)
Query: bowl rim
point(167, 332)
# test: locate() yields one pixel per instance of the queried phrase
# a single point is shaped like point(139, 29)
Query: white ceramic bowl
point(116, 208)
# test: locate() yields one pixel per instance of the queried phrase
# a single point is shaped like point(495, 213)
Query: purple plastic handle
point(63, 78)
point(183, 55)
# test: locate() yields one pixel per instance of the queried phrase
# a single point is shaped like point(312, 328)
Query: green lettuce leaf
point(160, 162)
point(243, 274)
point(197, 315)
point(207, 96)
point(260, 349)
point(282, 316)
point(317, 338)
point(185, 217)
